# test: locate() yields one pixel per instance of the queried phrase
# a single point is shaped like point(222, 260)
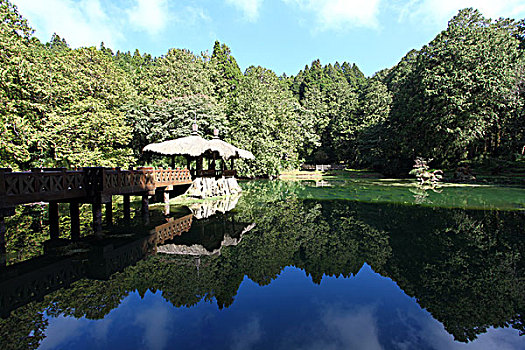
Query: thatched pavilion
point(211, 181)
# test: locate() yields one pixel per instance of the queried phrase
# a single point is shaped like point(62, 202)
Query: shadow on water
point(464, 266)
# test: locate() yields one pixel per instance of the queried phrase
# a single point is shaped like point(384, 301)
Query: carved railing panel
point(58, 184)
point(37, 185)
point(167, 177)
point(229, 173)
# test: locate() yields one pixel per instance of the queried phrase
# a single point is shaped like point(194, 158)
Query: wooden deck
point(92, 185)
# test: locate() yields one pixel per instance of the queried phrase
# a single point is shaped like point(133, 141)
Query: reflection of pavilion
point(214, 229)
point(185, 246)
point(206, 209)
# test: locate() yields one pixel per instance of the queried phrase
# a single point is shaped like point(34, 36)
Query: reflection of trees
point(465, 267)
point(24, 329)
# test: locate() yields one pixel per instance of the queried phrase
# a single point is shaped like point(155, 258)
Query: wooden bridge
point(92, 185)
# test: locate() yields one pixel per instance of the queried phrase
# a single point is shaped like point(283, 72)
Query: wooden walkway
point(63, 185)
point(92, 185)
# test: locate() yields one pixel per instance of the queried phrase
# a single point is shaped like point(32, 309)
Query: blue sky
point(282, 35)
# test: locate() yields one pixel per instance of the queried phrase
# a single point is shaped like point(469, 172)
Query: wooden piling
point(166, 203)
point(109, 213)
point(145, 208)
point(74, 212)
point(54, 230)
point(97, 216)
point(127, 209)
point(3, 255)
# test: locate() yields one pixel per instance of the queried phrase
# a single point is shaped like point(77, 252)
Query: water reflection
point(464, 267)
point(205, 209)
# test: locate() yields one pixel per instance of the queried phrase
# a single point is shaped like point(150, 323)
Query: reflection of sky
point(366, 311)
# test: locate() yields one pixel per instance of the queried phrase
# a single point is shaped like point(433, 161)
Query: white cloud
point(341, 14)
point(250, 8)
point(433, 333)
point(62, 330)
point(157, 324)
point(195, 15)
point(356, 329)
point(81, 23)
point(438, 12)
point(248, 336)
point(338, 326)
point(149, 15)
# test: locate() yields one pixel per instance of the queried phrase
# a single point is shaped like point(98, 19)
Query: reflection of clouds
point(61, 330)
point(434, 334)
point(348, 329)
point(101, 329)
point(367, 327)
point(246, 337)
point(155, 321)
point(337, 327)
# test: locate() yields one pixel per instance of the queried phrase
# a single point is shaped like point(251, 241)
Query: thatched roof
point(192, 145)
point(224, 149)
point(242, 153)
point(195, 146)
point(227, 150)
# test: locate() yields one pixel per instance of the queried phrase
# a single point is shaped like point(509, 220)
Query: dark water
point(294, 266)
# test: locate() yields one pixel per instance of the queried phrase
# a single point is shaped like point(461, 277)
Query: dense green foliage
point(458, 99)
point(462, 94)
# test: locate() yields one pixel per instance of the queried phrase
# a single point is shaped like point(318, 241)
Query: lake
point(338, 264)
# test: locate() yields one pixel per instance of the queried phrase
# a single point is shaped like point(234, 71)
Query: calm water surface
point(339, 265)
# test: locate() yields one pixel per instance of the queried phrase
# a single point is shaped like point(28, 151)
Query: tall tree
point(17, 116)
point(266, 122)
point(462, 91)
point(226, 74)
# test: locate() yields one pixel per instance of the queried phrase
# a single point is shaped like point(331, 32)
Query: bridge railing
point(117, 181)
point(60, 184)
point(166, 177)
point(40, 185)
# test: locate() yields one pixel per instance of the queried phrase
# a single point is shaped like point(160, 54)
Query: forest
point(459, 100)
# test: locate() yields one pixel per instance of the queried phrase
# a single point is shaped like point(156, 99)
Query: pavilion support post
point(74, 212)
point(212, 162)
point(145, 208)
point(173, 162)
point(199, 163)
point(109, 213)
point(231, 163)
point(166, 203)
point(127, 209)
point(3, 255)
point(97, 216)
point(54, 230)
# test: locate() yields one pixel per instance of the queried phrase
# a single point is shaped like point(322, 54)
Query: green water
point(407, 192)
